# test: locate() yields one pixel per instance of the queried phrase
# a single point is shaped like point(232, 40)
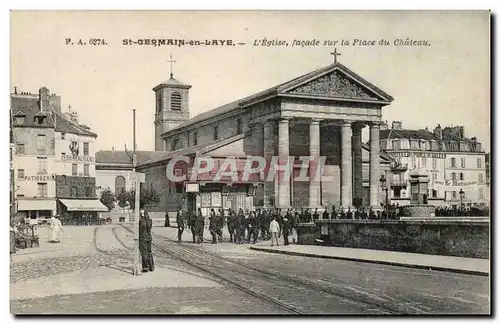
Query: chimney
point(15, 90)
point(438, 132)
point(384, 126)
point(44, 99)
point(397, 124)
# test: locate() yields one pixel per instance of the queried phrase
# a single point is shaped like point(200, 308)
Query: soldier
point(264, 224)
point(349, 213)
point(240, 226)
point(316, 214)
point(295, 224)
point(145, 239)
point(325, 214)
point(192, 224)
point(220, 223)
point(213, 226)
point(286, 230)
point(180, 225)
point(167, 220)
point(231, 220)
point(199, 226)
point(254, 227)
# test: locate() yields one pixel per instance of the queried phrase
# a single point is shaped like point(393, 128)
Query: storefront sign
point(417, 154)
point(455, 185)
point(205, 200)
point(192, 187)
point(78, 158)
point(216, 199)
point(39, 178)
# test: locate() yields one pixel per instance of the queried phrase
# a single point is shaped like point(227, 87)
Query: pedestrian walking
point(180, 225)
point(55, 229)
point(167, 220)
point(231, 225)
point(213, 226)
point(145, 242)
point(191, 223)
point(274, 229)
point(199, 226)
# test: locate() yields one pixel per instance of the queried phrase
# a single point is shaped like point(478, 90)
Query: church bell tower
point(172, 106)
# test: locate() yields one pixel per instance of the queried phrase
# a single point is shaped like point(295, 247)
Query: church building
point(319, 114)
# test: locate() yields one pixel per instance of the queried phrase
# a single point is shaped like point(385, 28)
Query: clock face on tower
point(158, 102)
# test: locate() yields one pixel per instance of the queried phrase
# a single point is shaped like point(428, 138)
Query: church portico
point(312, 125)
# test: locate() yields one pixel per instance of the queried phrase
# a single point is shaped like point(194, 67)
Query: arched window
point(119, 185)
point(175, 101)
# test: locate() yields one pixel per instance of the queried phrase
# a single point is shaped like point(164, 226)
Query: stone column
point(357, 163)
point(268, 144)
point(374, 165)
point(283, 152)
point(346, 166)
point(258, 139)
point(314, 152)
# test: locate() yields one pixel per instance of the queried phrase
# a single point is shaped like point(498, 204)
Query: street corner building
point(52, 160)
point(319, 114)
point(456, 166)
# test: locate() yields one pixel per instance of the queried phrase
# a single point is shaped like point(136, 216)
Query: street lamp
point(462, 195)
point(383, 183)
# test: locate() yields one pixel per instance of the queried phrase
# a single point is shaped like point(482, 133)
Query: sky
point(447, 82)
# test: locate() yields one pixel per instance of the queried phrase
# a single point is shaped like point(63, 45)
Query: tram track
point(268, 285)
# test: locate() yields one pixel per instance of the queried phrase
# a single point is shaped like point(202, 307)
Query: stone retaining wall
point(453, 238)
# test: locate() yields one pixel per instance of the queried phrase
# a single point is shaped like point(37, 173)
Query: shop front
point(226, 190)
point(81, 211)
point(36, 210)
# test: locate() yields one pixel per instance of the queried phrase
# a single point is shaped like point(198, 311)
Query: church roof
point(122, 158)
point(284, 88)
point(172, 83)
point(199, 149)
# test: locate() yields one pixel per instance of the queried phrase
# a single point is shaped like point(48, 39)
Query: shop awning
point(84, 205)
point(36, 204)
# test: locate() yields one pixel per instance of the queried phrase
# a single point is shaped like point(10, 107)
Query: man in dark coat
point(254, 227)
point(199, 226)
point(180, 225)
point(167, 220)
point(231, 223)
point(192, 223)
point(220, 223)
point(212, 226)
point(145, 240)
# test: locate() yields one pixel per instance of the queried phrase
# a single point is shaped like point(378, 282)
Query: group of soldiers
point(248, 227)
point(243, 227)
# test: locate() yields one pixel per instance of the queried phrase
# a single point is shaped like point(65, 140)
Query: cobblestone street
point(91, 272)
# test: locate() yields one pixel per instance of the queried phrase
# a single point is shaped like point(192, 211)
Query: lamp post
point(383, 183)
point(462, 194)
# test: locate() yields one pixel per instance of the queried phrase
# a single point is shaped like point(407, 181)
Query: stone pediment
point(336, 85)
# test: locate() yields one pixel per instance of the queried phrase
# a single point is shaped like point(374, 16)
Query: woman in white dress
point(55, 230)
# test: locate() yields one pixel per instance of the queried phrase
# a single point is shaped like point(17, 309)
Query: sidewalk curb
point(398, 264)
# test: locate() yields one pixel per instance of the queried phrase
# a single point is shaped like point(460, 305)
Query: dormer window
point(19, 120)
point(40, 120)
point(175, 101)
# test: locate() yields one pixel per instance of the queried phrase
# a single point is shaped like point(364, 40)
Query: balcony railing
point(399, 183)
